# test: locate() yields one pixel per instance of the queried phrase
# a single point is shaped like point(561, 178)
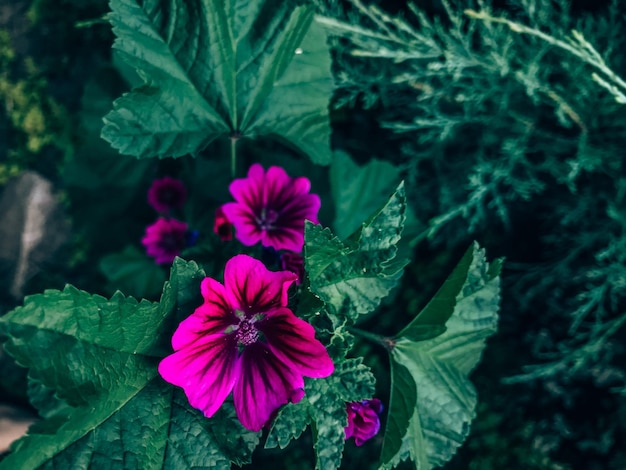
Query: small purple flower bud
point(363, 420)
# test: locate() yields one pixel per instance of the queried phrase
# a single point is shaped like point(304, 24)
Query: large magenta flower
point(271, 207)
point(363, 420)
point(165, 239)
point(243, 338)
point(167, 193)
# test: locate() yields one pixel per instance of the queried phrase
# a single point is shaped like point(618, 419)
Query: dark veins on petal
point(253, 305)
point(216, 356)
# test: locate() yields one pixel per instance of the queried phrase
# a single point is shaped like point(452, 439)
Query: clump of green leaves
point(507, 121)
point(99, 357)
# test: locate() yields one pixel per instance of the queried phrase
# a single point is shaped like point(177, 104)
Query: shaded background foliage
point(500, 136)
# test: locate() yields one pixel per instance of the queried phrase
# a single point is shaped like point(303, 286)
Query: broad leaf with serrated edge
point(352, 277)
point(100, 357)
point(439, 367)
point(237, 69)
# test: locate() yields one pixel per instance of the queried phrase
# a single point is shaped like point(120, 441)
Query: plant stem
point(233, 156)
point(383, 341)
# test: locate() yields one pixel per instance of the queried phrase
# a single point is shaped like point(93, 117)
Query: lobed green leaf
point(439, 367)
point(244, 68)
point(352, 277)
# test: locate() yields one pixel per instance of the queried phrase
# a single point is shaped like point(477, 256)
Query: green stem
point(233, 156)
point(383, 341)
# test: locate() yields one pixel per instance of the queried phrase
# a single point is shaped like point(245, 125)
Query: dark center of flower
point(167, 196)
point(247, 334)
point(267, 219)
point(170, 242)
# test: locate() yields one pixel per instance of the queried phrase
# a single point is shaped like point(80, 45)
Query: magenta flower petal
point(252, 288)
point(166, 194)
point(265, 385)
point(207, 370)
point(249, 191)
point(211, 318)
point(363, 420)
point(292, 340)
point(244, 338)
point(277, 185)
point(165, 239)
point(271, 207)
point(247, 230)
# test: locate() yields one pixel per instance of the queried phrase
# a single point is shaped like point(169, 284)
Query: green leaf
point(100, 357)
point(181, 294)
point(439, 367)
point(441, 306)
point(244, 68)
point(45, 400)
point(133, 272)
point(359, 190)
point(289, 424)
point(402, 400)
point(352, 277)
point(120, 323)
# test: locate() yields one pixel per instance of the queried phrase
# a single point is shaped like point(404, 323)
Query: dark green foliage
point(508, 125)
point(500, 134)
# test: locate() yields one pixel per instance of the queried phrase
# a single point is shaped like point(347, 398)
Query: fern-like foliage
point(510, 126)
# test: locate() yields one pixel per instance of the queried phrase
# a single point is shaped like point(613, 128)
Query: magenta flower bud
point(363, 420)
point(244, 339)
point(166, 194)
point(222, 227)
point(165, 239)
point(271, 207)
point(293, 262)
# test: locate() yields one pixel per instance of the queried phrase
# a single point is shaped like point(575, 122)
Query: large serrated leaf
point(439, 367)
point(238, 69)
point(98, 355)
point(120, 323)
point(352, 277)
